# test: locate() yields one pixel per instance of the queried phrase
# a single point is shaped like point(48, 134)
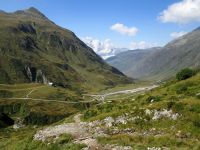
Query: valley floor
point(144, 118)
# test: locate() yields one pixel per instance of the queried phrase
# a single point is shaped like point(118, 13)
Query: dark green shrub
point(178, 107)
point(108, 107)
point(181, 89)
point(170, 104)
point(185, 74)
point(196, 121)
point(173, 98)
point(90, 113)
point(195, 108)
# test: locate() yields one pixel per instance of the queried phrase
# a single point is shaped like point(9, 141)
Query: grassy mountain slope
point(127, 61)
point(167, 117)
point(178, 54)
point(164, 63)
point(32, 48)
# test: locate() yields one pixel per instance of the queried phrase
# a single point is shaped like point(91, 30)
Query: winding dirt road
point(95, 97)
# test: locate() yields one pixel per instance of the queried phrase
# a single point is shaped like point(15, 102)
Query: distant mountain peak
point(33, 9)
point(33, 12)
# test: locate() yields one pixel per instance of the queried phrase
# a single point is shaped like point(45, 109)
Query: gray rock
point(109, 121)
point(36, 75)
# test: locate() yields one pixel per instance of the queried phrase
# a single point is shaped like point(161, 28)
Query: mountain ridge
point(33, 47)
point(164, 63)
point(32, 11)
point(127, 60)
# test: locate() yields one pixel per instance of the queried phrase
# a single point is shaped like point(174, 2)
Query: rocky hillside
point(34, 49)
point(165, 62)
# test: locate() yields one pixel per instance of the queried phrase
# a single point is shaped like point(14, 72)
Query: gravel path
point(27, 95)
point(78, 129)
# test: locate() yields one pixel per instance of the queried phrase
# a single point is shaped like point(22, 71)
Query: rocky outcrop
point(35, 75)
point(158, 114)
point(40, 77)
point(28, 43)
point(18, 123)
point(28, 73)
point(27, 28)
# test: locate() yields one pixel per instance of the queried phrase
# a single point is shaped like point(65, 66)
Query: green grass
point(179, 96)
point(39, 91)
point(23, 140)
point(38, 112)
point(141, 142)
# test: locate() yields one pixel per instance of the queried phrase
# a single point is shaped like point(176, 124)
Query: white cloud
point(175, 35)
point(107, 49)
point(121, 28)
point(182, 12)
point(142, 45)
point(103, 48)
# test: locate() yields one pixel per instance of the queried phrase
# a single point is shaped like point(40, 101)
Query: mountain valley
point(56, 93)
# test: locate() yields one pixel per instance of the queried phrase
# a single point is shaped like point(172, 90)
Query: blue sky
point(94, 19)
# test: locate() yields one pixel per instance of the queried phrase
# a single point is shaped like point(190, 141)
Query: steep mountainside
point(34, 49)
point(127, 61)
point(162, 64)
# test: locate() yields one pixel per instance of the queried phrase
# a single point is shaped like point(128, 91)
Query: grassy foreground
point(141, 130)
point(37, 114)
point(23, 140)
